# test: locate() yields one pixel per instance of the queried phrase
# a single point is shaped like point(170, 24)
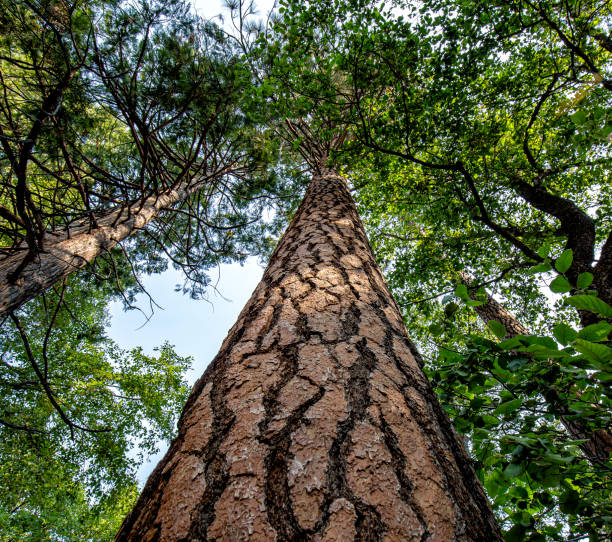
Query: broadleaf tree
point(78, 417)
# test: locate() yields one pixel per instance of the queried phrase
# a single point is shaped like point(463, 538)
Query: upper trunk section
point(315, 420)
point(64, 253)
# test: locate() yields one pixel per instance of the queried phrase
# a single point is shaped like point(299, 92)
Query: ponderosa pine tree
point(112, 115)
point(315, 421)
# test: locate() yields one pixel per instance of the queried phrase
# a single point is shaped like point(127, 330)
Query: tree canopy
point(112, 114)
point(476, 136)
point(78, 417)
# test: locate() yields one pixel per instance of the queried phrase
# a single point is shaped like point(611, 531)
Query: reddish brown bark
point(315, 420)
point(493, 310)
point(599, 446)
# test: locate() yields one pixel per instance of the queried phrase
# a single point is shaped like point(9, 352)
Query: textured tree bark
point(599, 446)
point(315, 420)
point(493, 310)
point(64, 253)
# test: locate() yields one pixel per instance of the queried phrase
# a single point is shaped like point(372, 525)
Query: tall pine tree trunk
point(315, 420)
point(598, 447)
point(65, 252)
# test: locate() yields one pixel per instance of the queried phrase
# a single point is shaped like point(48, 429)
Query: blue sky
point(195, 327)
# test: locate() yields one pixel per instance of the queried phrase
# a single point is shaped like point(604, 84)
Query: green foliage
point(43, 498)
point(590, 303)
point(145, 97)
point(563, 262)
point(76, 483)
point(476, 136)
point(512, 399)
point(560, 285)
point(498, 329)
point(584, 280)
point(103, 105)
point(564, 334)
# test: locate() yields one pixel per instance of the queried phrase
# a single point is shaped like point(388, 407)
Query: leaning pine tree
point(315, 421)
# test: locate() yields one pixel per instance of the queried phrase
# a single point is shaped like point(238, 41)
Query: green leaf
point(603, 376)
point(450, 309)
point(520, 492)
point(436, 329)
point(596, 332)
point(560, 285)
point(542, 341)
point(564, 333)
point(578, 118)
point(544, 250)
point(516, 534)
point(541, 268)
point(508, 406)
point(462, 292)
point(450, 356)
point(544, 351)
point(584, 280)
point(569, 501)
point(593, 351)
point(511, 344)
point(590, 303)
point(513, 470)
point(550, 477)
point(558, 459)
point(489, 421)
point(563, 262)
point(517, 363)
point(499, 330)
